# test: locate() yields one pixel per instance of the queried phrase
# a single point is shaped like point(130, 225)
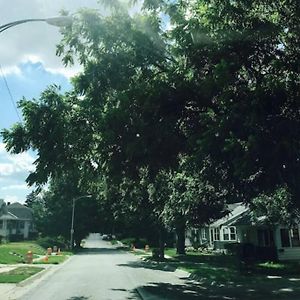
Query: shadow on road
point(85, 251)
point(78, 298)
point(148, 265)
point(134, 294)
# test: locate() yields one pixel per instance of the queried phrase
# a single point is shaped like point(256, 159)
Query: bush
point(232, 248)
point(16, 237)
point(137, 242)
point(47, 242)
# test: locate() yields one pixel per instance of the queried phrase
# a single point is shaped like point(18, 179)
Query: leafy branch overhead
point(193, 103)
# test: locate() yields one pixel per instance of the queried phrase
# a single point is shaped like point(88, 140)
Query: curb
point(146, 296)
point(34, 277)
point(47, 268)
point(183, 273)
point(24, 286)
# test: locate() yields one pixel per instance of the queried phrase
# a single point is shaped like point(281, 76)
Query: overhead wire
point(10, 94)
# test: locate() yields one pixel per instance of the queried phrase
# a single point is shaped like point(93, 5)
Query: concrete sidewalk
point(11, 291)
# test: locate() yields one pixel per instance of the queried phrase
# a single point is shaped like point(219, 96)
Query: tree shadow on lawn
point(191, 290)
point(220, 283)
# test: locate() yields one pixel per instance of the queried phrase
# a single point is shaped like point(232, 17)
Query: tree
point(243, 63)
point(221, 87)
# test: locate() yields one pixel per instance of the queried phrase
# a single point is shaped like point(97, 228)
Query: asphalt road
point(102, 272)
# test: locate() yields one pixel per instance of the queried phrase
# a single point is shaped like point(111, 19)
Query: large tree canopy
point(215, 81)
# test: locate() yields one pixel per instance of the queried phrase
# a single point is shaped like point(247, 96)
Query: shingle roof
point(20, 211)
point(236, 211)
point(8, 216)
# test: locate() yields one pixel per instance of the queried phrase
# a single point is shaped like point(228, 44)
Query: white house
point(238, 227)
point(16, 221)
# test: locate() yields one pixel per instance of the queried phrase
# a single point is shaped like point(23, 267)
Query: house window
point(232, 233)
point(203, 234)
point(226, 234)
point(229, 233)
point(216, 234)
point(21, 224)
point(295, 237)
point(1, 224)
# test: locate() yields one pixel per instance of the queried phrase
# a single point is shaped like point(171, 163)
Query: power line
point(10, 94)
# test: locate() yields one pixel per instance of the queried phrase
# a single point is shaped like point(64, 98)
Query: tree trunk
point(161, 243)
point(180, 242)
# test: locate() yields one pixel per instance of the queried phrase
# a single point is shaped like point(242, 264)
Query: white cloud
point(6, 169)
point(34, 41)
point(14, 187)
point(12, 164)
point(12, 198)
point(14, 170)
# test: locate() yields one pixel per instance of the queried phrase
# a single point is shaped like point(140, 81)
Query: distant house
point(16, 221)
point(239, 227)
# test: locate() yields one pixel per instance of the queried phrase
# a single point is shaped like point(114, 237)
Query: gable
point(238, 210)
point(20, 211)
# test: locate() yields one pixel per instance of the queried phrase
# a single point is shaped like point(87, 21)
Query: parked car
point(107, 237)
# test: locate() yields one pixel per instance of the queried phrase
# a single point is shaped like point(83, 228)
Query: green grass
point(276, 268)
point(226, 268)
point(19, 274)
point(13, 253)
point(224, 276)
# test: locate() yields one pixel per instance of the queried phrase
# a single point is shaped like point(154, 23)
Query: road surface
point(102, 272)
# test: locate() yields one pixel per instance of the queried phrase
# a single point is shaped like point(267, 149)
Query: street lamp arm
point(85, 196)
point(55, 21)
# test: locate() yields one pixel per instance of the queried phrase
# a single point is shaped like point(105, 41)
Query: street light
point(55, 21)
point(73, 212)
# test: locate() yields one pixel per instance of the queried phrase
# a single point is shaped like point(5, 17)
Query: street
point(100, 272)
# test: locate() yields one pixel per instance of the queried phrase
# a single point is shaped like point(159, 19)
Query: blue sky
point(29, 65)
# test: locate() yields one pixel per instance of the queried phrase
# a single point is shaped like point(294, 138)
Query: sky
point(28, 64)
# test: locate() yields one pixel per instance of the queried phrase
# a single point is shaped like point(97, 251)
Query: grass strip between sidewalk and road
point(18, 274)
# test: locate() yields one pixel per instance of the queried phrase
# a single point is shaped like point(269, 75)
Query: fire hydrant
point(29, 257)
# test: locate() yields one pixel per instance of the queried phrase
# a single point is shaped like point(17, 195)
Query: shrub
point(16, 237)
point(137, 242)
point(47, 242)
point(233, 248)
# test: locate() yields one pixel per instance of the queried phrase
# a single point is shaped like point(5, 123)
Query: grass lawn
point(224, 277)
point(19, 274)
point(12, 253)
point(212, 264)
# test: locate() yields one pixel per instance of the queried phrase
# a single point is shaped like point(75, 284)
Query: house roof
point(8, 216)
point(20, 211)
point(246, 219)
point(237, 210)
